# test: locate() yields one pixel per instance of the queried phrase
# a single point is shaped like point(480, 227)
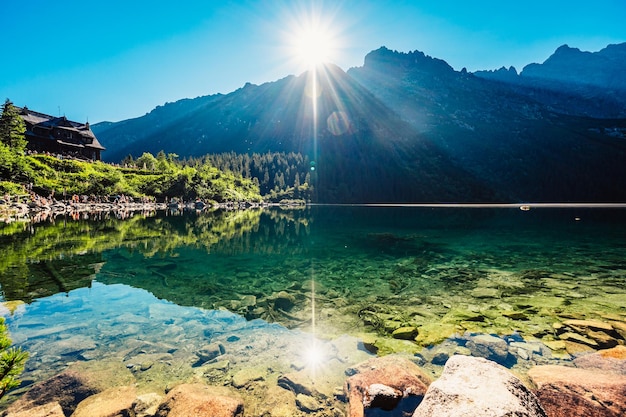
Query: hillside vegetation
point(161, 178)
point(227, 177)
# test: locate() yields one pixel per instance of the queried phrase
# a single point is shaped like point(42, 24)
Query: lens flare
point(314, 356)
point(338, 123)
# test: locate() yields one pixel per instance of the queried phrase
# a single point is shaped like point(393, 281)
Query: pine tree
point(128, 161)
point(12, 361)
point(12, 127)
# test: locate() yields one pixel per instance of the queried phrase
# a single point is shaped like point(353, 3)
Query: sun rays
point(312, 36)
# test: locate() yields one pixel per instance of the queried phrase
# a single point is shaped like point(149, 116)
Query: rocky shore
point(392, 385)
point(35, 208)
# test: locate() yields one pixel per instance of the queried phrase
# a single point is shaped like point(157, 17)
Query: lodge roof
point(45, 121)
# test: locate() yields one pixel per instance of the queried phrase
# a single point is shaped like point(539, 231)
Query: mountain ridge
point(405, 127)
point(573, 81)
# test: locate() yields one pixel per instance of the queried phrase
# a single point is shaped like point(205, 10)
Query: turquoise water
point(152, 292)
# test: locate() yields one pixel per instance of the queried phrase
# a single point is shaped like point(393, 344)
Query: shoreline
point(26, 209)
point(33, 211)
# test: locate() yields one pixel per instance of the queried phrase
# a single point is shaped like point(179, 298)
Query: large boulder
point(470, 387)
point(187, 400)
point(387, 383)
point(566, 391)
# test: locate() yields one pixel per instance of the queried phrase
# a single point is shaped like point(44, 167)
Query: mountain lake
point(241, 298)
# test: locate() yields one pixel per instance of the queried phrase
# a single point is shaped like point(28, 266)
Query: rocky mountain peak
point(565, 49)
point(415, 60)
point(604, 68)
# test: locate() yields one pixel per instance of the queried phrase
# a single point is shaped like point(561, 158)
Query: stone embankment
point(469, 386)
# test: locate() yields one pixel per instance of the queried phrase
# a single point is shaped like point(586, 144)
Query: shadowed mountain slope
point(362, 151)
point(510, 141)
point(404, 127)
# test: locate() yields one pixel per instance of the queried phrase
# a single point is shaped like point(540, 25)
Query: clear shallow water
point(153, 292)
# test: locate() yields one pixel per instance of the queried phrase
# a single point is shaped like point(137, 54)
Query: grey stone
point(488, 347)
point(382, 396)
point(472, 387)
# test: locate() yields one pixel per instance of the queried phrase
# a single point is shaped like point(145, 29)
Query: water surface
point(153, 292)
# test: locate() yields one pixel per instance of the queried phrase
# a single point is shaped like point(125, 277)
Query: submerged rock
point(146, 405)
point(278, 402)
point(248, 375)
point(307, 403)
point(74, 385)
point(435, 333)
point(489, 347)
point(593, 333)
point(116, 401)
point(200, 400)
point(209, 352)
point(458, 315)
point(283, 301)
point(472, 387)
point(405, 333)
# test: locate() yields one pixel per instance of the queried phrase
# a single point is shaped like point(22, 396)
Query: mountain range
point(406, 127)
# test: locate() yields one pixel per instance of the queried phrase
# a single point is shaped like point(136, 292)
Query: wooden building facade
point(58, 135)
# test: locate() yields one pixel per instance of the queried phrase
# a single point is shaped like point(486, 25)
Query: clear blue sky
point(118, 59)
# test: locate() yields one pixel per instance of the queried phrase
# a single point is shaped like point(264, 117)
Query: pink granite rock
point(383, 383)
point(46, 410)
point(566, 391)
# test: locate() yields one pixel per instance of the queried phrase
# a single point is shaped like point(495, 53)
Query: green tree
point(12, 127)
point(12, 361)
point(162, 161)
point(146, 161)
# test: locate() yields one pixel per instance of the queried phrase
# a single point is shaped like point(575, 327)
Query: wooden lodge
point(59, 136)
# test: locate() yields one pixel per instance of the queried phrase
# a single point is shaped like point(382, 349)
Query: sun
point(313, 46)
point(313, 36)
